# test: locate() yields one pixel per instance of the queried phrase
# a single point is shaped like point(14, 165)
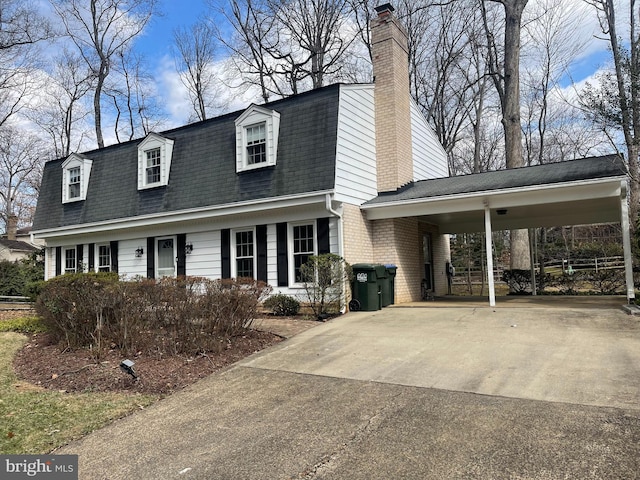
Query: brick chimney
point(12, 227)
point(392, 100)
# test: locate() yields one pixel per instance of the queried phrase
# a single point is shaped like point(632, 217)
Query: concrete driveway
point(425, 393)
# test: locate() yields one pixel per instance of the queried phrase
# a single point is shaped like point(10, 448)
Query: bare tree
point(100, 29)
point(254, 35)
point(22, 28)
point(135, 107)
point(617, 102)
point(195, 50)
point(505, 73)
point(552, 45)
point(21, 159)
point(318, 29)
point(62, 109)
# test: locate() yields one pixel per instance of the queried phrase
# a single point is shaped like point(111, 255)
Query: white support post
point(626, 244)
point(489, 249)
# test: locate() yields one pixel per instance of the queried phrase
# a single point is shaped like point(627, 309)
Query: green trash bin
point(383, 283)
point(391, 273)
point(365, 288)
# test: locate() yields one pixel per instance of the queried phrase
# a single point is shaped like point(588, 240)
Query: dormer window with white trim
point(75, 178)
point(257, 131)
point(154, 161)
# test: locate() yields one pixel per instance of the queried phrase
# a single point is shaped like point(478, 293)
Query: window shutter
point(283, 258)
point(113, 251)
point(226, 253)
point(323, 236)
point(92, 257)
point(181, 266)
point(261, 250)
point(58, 261)
point(151, 257)
point(79, 258)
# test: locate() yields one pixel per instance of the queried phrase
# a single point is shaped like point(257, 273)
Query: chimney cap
point(384, 9)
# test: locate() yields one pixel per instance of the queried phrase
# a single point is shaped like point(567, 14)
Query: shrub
point(607, 281)
point(570, 283)
point(173, 315)
point(282, 305)
point(519, 281)
point(325, 277)
point(23, 325)
point(11, 278)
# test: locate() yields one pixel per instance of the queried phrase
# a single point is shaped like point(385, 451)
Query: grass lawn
point(34, 420)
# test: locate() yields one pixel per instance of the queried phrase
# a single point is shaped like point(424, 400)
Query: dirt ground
point(43, 363)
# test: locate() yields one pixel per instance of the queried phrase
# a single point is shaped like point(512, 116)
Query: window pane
point(303, 247)
point(74, 182)
point(244, 254)
point(104, 258)
point(70, 261)
point(153, 165)
point(256, 144)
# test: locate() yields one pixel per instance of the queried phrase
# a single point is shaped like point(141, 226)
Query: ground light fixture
point(127, 367)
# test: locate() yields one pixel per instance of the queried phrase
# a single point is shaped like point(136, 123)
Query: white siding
point(206, 259)
point(272, 257)
point(129, 265)
point(429, 158)
point(356, 145)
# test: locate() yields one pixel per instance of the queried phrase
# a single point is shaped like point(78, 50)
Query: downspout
point(335, 213)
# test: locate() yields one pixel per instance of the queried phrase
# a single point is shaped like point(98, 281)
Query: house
point(353, 170)
point(255, 193)
point(16, 244)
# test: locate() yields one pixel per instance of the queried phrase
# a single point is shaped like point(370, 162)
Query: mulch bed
point(43, 363)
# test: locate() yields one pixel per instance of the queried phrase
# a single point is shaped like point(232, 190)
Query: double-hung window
point(153, 166)
point(244, 249)
point(76, 170)
point(104, 258)
point(256, 144)
point(154, 161)
point(70, 260)
point(303, 248)
point(74, 182)
point(257, 130)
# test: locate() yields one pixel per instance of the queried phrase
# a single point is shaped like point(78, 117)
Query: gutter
point(201, 213)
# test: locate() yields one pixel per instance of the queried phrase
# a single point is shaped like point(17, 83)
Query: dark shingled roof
point(17, 245)
point(203, 167)
point(570, 171)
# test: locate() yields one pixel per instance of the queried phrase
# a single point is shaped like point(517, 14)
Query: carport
point(576, 192)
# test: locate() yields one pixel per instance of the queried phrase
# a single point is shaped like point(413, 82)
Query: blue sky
point(158, 36)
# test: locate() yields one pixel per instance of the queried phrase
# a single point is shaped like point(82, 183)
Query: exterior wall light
point(139, 252)
point(188, 248)
point(501, 211)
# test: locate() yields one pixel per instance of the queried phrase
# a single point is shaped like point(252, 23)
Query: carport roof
point(574, 192)
point(561, 172)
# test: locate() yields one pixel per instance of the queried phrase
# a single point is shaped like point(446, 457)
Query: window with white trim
point(104, 258)
point(304, 245)
point(244, 250)
point(153, 165)
point(76, 170)
point(256, 144)
point(70, 260)
point(257, 131)
point(154, 161)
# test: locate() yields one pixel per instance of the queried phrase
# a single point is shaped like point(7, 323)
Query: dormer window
point(75, 178)
point(256, 144)
point(257, 132)
point(153, 165)
point(154, 161)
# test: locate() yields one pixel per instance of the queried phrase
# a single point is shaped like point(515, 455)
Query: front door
point(166, 257)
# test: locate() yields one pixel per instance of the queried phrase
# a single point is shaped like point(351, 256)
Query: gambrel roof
point(203, 169)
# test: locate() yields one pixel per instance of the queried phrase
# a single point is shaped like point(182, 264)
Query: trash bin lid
point(381, 271)
point(364, 266)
